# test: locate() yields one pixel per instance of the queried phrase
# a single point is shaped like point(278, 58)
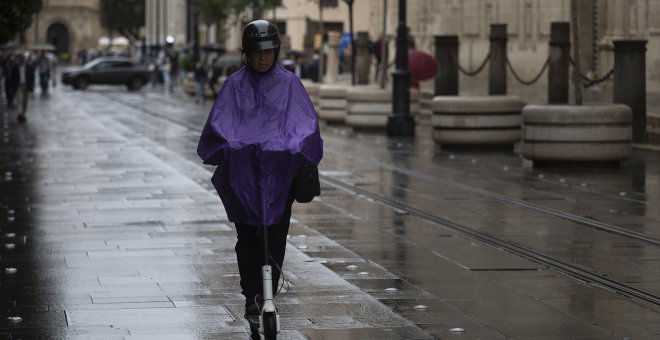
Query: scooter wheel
point(270, 326)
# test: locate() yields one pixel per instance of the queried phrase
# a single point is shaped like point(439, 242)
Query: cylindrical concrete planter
point(313, 90)
point(571, 133)
point(425, 107)
point(332, 103)
point(369, 107)
point(479, 120)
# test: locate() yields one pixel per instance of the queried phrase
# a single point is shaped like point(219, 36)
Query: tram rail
point(565, 267)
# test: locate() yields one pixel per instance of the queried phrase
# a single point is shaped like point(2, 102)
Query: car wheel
point(135, 83)
point(81, 83)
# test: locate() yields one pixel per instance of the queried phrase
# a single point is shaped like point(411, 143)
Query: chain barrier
point(588, 82)
point(528, 82)
point(599, 80)
point(470, 73)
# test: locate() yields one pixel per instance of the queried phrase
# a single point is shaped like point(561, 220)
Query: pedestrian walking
point(44, 68)
point(3, 62)
point(380, 52)
point(20, 79)
point(166, 68)
point(11, 79)
point(261, 130)
point(174, 66)
point(216, 72)
point(201, 76)
point(154, 70)
point(30, 70)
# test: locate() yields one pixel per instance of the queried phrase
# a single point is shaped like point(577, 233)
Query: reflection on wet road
point(118, 222)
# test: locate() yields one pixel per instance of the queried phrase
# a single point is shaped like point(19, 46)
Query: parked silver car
point(108, 70)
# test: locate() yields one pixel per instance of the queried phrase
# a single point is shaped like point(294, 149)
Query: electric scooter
point(269, 320)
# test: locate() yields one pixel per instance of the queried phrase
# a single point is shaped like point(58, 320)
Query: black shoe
point(253, 307)
point(21, 118)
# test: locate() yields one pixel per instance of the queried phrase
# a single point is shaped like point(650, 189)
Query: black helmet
point(260, 35)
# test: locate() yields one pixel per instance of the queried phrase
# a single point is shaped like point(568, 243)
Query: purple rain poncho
point(261, 129)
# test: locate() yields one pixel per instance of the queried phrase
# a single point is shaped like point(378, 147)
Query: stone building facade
point(528, 25)
point(74, 24)
point(70, 25)
point(165, 18)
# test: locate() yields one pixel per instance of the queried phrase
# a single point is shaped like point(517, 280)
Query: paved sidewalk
point(112, 242)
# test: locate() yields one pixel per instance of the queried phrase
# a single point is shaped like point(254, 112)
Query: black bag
point(307, 184)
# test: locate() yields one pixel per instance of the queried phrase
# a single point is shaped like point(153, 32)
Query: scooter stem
point(266, 273)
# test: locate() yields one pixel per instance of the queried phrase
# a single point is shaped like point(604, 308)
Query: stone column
point(497, 61)
point(619, 10)
point(332, 71)
point(560, 44)
point(586, 17)
point(363, 58)
point(630, 82)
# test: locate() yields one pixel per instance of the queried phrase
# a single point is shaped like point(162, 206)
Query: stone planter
point(313, 90)
point(369, 107)
point(653, 128)
point(425, 107)
point(332, 103)
point(570, 133)
point(480, 120)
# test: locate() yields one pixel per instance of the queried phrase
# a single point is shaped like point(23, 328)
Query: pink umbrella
point(422, 66)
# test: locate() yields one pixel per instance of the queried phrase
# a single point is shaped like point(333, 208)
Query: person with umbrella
point(261, 130)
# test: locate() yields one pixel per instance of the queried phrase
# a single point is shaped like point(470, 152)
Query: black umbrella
point(227, 60)
point(294, 53)
point(42, 46)
point(215, 47)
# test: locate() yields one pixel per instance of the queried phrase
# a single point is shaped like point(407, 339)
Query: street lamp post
point(400, 123)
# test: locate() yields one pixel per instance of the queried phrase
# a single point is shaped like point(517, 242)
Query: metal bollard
point(362, 66)
point(446, 54)
point(630, 82)
point(560, 45)
point(497, 62)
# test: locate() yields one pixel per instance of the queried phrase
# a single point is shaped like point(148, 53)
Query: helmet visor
point(253, 46)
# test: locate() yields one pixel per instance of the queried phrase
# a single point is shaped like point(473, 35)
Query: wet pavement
point(111, 230)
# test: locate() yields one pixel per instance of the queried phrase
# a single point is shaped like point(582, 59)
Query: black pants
point(250, 253)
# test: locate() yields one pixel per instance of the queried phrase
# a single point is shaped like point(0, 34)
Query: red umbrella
point(422, 66)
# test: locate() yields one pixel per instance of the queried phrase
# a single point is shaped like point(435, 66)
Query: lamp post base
point(401, 126)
